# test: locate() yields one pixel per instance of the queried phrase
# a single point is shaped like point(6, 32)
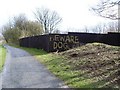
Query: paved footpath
point(21, 70)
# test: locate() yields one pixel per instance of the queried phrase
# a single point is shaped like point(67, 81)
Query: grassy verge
point(80, 67)
point(2, 56)
point(56, 64)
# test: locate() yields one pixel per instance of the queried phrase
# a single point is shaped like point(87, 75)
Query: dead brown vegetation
point(99, 61)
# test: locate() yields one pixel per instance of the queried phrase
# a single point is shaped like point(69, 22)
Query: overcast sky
point(75, 13)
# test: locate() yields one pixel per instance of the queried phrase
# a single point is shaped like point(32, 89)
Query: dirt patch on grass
point(99, 61)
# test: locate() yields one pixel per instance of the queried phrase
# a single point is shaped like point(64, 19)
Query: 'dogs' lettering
point(63, 41)
point(60, 45)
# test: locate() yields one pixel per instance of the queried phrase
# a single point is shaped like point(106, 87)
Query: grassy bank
point(89, 66)
point(2, 56)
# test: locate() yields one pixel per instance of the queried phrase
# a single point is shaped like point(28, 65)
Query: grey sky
point(75, 13)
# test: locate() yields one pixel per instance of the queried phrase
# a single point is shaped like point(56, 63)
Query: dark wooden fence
point(40, 42)
point(61, 42)
point(110, 38)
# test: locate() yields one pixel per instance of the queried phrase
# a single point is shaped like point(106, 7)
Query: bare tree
point(49, 19)
point(86, 29)
point(32, 28)
point(105, 27)
point(107, 9)
point(20, 27)
point(112, 27)
point(19, 21)
point(99, 28)
point(57, 32)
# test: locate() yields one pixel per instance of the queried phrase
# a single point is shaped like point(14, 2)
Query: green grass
point(2, 56)
point(55, 64)
point(59, 66)
point(64, 69)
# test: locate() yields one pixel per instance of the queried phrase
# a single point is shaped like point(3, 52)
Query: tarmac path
point(22, 70)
